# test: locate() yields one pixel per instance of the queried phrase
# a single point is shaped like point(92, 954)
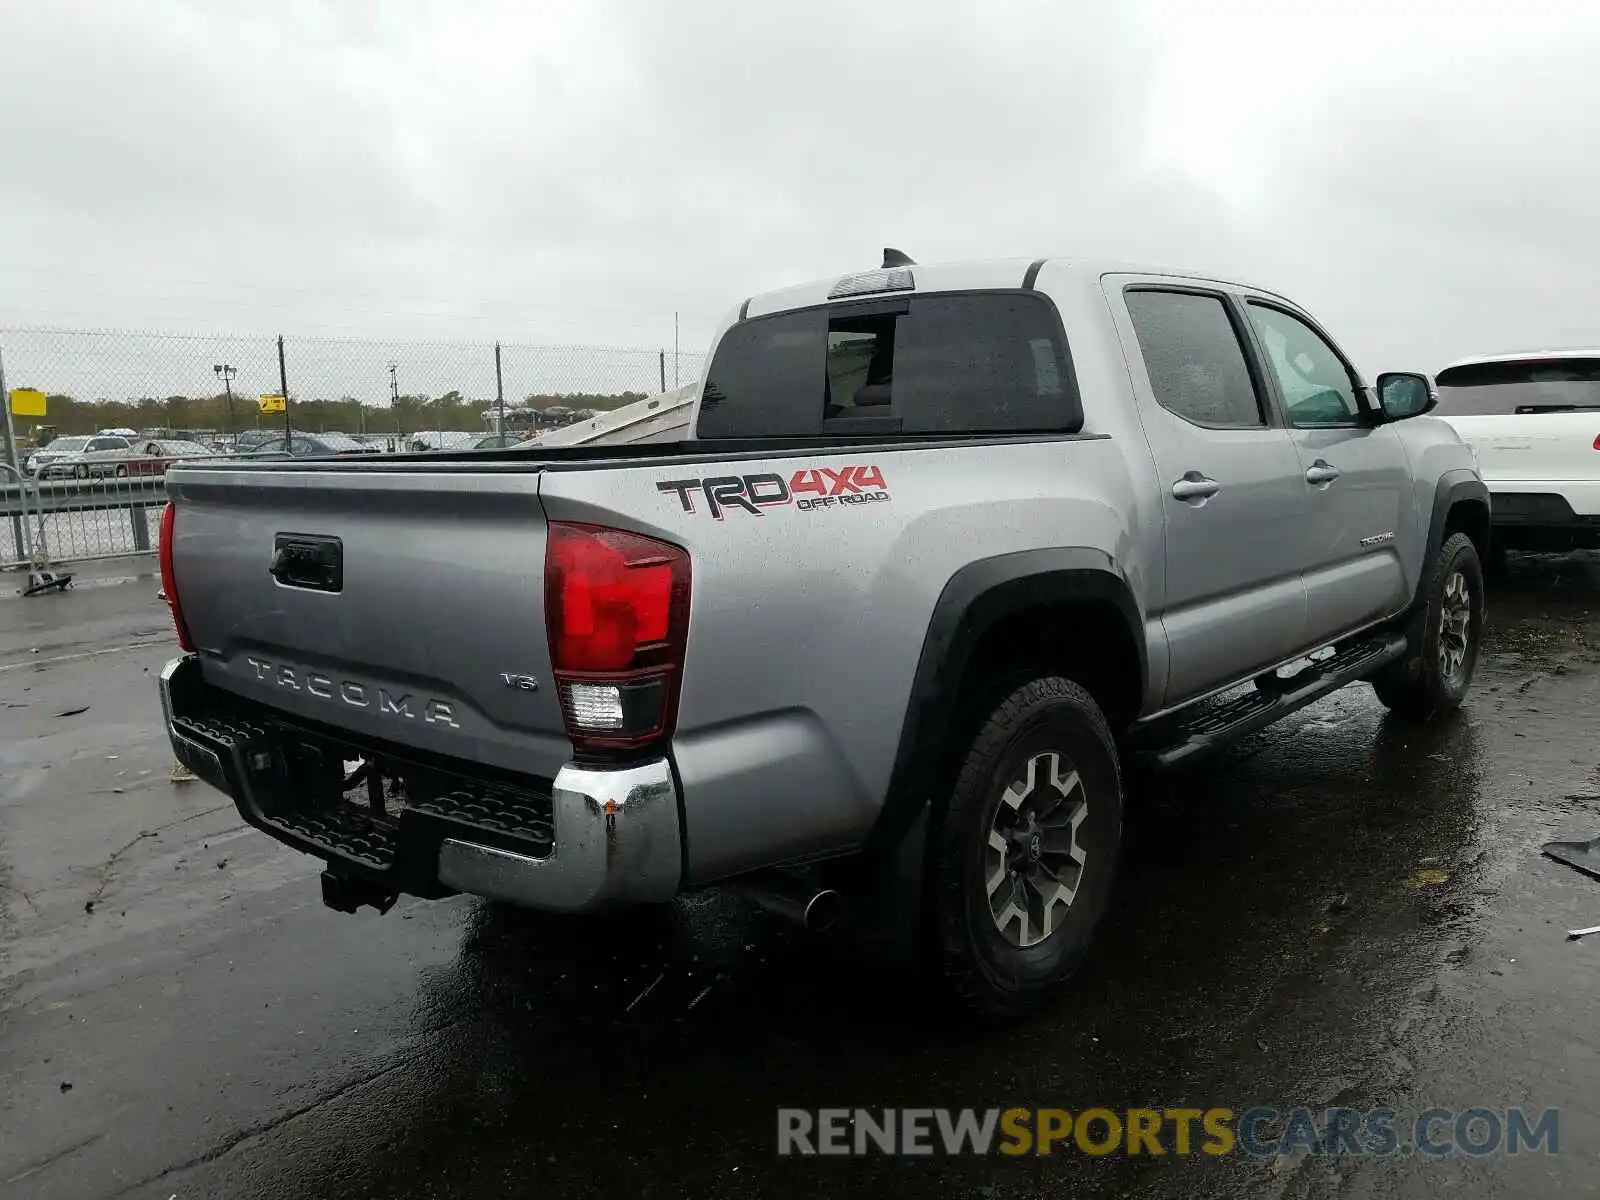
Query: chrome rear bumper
point(593, 838)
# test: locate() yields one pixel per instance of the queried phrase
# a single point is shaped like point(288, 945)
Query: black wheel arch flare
point(975, 600)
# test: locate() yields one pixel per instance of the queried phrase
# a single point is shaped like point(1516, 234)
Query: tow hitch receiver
point(345, 894)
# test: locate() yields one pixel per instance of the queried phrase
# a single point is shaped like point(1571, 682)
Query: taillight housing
point(169, 583)
point(617, 614)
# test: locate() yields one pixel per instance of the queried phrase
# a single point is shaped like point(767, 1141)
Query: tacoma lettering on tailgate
point(807, 489)
point(349, 691)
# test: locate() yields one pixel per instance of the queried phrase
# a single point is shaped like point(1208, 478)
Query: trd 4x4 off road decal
point(807, 489)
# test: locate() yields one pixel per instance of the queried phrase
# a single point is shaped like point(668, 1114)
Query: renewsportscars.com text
point(1260, 1132)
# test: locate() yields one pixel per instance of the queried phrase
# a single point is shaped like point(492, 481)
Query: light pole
point(394, 399)
point(226, 374)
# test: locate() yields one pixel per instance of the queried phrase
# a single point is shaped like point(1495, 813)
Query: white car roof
point(1522, 356)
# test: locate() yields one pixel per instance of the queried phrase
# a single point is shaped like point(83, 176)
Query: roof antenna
point(896, 258)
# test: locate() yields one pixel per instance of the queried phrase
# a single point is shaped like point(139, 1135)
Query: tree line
point(70, 415)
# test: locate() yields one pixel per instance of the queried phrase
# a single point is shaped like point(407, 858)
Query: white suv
point(1533, 422)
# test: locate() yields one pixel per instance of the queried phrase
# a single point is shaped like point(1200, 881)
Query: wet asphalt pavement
point(180, 1016)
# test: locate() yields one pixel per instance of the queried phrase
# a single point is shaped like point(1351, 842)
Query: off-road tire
point(1418, 686)
point(986, 971)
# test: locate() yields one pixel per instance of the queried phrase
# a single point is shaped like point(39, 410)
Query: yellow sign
point(27, 402)
point(272, 404)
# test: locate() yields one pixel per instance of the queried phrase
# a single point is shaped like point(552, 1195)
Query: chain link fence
point(209, 393)
point(99, 379)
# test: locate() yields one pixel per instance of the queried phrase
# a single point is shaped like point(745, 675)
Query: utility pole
point(675, 360)
point(283, 386)
point(226, 374)
point(10, 433)
point(19, 524)
point(394, 398)
point(499, 399)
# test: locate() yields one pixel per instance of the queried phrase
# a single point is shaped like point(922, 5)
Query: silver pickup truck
point(950, 547)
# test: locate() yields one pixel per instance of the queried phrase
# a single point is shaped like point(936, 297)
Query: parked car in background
point(57, 449)
point(254, 439)
point(142, 458)
point(1533, 422)
point(311, 445)
point(181, 435)
point(65, 458)
point(439, 439)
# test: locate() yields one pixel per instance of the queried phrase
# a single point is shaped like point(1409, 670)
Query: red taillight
point(1597, 441)
point(617, 613)
point(169, 584)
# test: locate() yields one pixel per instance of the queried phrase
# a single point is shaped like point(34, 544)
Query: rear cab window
point(934, 363)
point(1519, 387)
point(1194, 358)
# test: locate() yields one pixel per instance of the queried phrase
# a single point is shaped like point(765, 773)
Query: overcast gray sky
point(1421, 175)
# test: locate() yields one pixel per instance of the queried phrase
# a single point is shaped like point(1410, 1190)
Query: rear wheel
point(1026, 856)
point(121, 472)
point(1444, 637)
point(80, 471)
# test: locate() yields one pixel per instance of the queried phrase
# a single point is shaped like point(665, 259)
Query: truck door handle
point(1195, 486)
point(1321, 472)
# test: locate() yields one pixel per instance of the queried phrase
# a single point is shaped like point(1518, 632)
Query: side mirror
point(1403, 394)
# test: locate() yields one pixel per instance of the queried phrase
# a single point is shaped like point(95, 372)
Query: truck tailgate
point(407, 606)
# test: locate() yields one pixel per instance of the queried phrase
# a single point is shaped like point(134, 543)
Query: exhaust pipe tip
point(822, 910)
point(813, 907)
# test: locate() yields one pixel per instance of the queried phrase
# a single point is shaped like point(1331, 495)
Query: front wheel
point(1026, 855)
point(1444, 637)
point(80, 472)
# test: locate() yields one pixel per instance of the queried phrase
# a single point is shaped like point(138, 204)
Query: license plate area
point(371, 804)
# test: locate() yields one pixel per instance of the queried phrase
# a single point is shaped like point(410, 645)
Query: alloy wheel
point(1455, 626)
point(1033, 862)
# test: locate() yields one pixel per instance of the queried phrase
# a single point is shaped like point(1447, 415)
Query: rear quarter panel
point(807, 619)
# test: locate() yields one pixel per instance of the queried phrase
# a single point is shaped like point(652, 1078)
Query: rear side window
point(1197, 367)
point(767, 378)
point(985, 362)
point(1527, 386)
